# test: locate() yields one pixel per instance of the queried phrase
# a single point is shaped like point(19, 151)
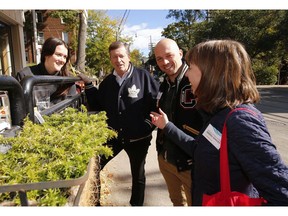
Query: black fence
point(22, 101)
point(16, 98)
point(71, 101)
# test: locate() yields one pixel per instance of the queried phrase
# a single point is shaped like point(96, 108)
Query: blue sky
point(144, 26)
point(155, 18)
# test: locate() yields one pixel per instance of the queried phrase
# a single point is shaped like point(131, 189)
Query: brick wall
point(52, 27)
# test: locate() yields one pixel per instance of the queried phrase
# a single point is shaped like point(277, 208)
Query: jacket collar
point(182, 70)
point(126, 75)
point(41, 70)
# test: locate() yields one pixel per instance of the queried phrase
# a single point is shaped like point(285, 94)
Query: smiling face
point(120, 60)
point(168, 57)
point(194, 75)
point(54, 63)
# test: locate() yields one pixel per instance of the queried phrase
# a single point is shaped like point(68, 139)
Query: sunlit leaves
point(58, 149)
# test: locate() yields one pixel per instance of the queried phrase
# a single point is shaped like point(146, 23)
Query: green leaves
point(262, 32)
point(58, 149)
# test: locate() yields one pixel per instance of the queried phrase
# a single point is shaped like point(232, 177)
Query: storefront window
point(5, 51)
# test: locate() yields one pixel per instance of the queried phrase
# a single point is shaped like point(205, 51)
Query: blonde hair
point(227, 75)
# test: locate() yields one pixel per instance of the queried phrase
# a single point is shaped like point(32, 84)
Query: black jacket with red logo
point(183, 114)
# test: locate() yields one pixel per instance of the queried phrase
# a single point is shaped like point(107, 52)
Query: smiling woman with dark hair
point(57, 47)
point(54, 58)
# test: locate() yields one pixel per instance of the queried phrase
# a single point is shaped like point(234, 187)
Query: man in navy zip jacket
point(128, 95)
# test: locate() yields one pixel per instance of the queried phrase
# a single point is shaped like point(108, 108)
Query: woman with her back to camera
point(222, 79)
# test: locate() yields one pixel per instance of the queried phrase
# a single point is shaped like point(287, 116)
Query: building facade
point(12, 48)
point(22, 34)
point(40, 26)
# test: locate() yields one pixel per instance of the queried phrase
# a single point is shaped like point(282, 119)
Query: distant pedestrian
point(177, 100)
point(128, 95)
point(222, 79)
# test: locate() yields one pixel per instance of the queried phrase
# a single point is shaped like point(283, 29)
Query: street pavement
point(273, 104)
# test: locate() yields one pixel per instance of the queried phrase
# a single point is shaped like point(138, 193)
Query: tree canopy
point(262, 32)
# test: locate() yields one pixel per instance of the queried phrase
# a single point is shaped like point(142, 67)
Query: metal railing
point(29, 82)
point(16, 98)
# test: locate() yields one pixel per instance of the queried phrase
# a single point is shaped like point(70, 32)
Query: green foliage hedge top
point(58, 149)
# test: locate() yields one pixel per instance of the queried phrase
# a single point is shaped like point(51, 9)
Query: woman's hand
point(159, 119)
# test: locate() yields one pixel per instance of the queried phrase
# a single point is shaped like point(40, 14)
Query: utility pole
point(121, 24)
point(151, 46)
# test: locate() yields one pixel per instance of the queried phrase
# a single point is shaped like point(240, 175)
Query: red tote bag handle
point(224, 162)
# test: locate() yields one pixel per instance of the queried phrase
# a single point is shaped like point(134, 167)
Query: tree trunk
point(81, 54)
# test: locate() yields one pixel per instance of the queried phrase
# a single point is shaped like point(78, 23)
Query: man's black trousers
point(137, 152)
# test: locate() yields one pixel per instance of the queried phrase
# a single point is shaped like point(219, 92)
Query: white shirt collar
point(119, 79)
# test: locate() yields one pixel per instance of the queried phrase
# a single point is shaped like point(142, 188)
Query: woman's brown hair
point(227, 76)
point(48, 49)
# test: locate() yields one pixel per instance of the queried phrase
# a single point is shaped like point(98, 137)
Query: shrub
point(265, 74)
point(58, 149)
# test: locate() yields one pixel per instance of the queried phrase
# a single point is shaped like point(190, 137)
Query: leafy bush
point(265, 74)
point(58, 149)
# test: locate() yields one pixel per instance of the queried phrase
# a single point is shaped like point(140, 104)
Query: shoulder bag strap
point(224, 163)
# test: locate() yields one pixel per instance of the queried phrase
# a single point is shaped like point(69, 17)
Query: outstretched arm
point(184, 141)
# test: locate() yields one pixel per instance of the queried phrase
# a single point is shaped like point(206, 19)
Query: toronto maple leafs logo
point(133, 92)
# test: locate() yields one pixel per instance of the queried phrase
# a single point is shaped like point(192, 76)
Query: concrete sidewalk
point(118, 183)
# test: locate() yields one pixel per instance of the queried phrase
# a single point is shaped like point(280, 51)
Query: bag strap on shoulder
point(224, 162)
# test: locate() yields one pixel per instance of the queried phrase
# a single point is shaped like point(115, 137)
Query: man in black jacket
point(177, 101)
point(128, 95)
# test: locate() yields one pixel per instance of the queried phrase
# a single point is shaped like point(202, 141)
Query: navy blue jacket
point(127, 106)
point(255, 165)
